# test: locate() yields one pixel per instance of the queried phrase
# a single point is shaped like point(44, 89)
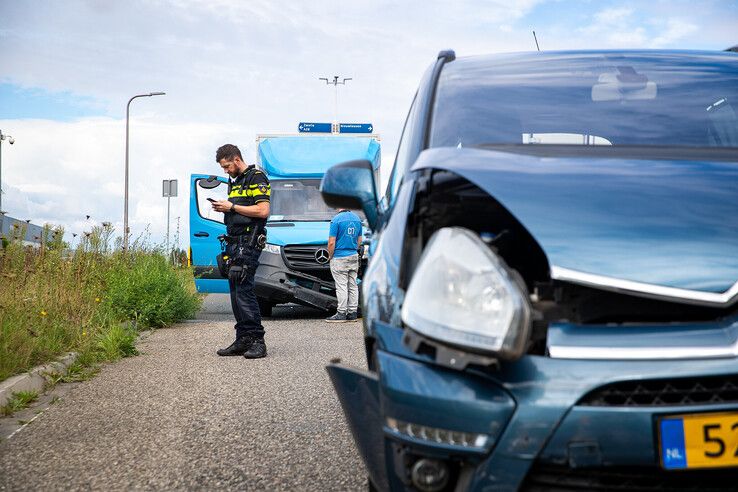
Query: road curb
point(36, 378)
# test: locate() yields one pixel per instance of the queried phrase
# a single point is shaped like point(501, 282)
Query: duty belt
point(254, 237)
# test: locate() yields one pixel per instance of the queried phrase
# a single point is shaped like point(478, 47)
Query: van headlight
point(464, 294)
point(272, 248)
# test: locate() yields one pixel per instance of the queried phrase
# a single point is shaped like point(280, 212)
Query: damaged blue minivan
point(552, 300)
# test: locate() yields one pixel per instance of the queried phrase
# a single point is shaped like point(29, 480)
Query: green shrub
point(145, 288)
point(117, 342)
point(54, 300)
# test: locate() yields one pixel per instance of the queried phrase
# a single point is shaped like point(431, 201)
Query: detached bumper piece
point(279, 282)
point(284, 288)
point(358, 392)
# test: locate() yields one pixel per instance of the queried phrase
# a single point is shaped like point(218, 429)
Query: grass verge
point(55, 300)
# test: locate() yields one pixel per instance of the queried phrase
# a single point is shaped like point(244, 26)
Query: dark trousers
point(243, 299)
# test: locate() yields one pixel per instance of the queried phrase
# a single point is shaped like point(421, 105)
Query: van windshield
point(298, 200)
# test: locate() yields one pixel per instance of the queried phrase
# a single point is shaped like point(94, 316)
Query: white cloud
point(675, 30)
point(59, 172)
point(620, 28)
point(232, 69)
point(613, 16)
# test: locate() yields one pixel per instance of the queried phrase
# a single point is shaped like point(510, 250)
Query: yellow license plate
point(704, 440)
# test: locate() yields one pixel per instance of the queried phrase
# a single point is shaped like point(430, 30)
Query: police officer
point(246, 212)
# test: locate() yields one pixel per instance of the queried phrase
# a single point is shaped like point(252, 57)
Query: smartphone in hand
point(211, 200)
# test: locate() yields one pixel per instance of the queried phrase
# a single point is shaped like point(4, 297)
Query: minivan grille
point(665, 392)
point(557, 478)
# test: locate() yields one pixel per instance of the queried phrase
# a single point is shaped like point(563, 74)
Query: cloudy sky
point(232, 69)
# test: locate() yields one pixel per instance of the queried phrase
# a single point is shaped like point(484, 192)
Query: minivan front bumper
point(533, 411)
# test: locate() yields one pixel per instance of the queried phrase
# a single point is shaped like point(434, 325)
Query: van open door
point(205, 227)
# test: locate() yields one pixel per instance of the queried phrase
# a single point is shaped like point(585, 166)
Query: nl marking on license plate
point(706, 440)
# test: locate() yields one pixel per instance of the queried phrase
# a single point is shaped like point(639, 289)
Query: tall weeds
point(54, 300)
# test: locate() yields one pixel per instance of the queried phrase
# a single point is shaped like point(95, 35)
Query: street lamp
point(11, 141)
point(125, 199)
point(335, 83)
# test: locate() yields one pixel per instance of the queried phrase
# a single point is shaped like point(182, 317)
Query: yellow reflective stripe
point(254, 192)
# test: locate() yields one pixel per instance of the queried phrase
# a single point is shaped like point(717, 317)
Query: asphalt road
point(178, 417)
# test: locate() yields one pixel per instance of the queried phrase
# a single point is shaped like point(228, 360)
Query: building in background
point(12, 228)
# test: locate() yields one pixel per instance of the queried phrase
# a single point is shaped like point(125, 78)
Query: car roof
point(485, 59)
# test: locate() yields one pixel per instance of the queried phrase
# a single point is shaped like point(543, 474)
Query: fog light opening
point(430, 475)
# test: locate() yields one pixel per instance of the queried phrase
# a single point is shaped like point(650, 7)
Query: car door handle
point(201, 234)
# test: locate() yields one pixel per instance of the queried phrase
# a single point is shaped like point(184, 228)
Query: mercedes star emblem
point(321, 256)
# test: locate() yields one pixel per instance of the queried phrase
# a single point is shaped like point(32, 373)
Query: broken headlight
point(464, 294)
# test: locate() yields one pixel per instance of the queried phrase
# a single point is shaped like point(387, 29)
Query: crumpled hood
point(671, 223)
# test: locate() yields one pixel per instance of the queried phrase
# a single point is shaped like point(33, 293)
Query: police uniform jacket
point(248, 188)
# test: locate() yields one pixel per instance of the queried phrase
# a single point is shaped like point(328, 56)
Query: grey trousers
point(344, 272)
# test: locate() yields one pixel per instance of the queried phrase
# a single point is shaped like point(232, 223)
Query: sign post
point(169, 190)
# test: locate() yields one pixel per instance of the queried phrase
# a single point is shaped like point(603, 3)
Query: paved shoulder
point(180, 417)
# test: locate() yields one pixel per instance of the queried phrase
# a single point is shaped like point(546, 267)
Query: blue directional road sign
point(355, 128)
point(314, 127)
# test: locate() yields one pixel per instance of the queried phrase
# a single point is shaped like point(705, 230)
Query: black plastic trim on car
point(209, 272)
point(443, 58)
point(558, 478)
point(712, 390)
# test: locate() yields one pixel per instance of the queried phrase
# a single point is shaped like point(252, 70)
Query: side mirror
point(209, 183)
point(351, 185)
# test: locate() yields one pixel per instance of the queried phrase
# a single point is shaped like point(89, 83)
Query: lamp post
point(125, 198)
point(335, 83)
point(11, 141)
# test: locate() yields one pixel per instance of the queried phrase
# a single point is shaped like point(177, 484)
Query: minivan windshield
point(597, 99)
point(298, 200)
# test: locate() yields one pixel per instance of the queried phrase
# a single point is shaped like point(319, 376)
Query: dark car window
point(403, 151)
point(637, 98)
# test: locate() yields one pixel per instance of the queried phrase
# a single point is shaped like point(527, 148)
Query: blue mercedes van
point(294, 264)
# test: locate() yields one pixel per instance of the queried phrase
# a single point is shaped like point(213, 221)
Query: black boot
point(239, 347)
point(257, 350)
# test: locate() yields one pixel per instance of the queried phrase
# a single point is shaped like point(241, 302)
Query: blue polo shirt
point(346, 228)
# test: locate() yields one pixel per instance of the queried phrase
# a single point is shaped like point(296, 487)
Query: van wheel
point(265, 308)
